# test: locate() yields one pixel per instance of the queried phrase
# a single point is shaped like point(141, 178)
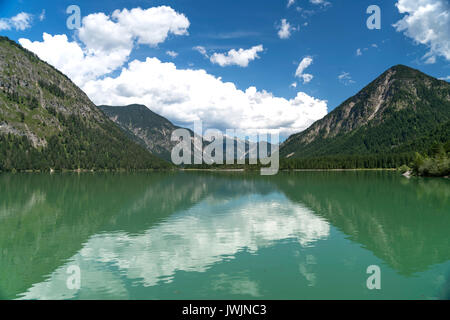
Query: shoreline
point(242, 170)
point(356, 169)
point(221, 170)
point(51, 171)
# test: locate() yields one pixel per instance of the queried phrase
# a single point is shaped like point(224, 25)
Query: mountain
point(154, 131)
point(47, 122)
point(146, 127)
point(402, 111)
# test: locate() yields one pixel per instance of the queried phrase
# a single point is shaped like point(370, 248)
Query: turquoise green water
point(305, 235)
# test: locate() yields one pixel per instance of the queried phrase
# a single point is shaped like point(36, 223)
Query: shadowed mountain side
point(145, 126)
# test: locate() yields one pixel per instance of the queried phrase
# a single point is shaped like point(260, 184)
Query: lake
point(205, 235)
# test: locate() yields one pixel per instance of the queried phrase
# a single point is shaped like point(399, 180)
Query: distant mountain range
point(154, 131)
point(403, 110)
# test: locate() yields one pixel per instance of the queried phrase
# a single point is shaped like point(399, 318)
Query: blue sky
point(327, 32)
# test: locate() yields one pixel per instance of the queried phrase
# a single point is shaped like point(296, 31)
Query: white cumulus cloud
point(152, 26)
point(185, 95)
point(241, 57)
point(107, 41)
point(427, 22)
point(77, 63)
point(147, 26)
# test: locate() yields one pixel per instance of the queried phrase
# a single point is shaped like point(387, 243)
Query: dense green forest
point(78, 146)
point(422, 164)
point(435, 164)
point(426, 147)
point(429, 145)
point(369, 161)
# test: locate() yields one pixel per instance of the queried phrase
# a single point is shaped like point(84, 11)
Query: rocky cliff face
point(33, 92)
point(396, 108)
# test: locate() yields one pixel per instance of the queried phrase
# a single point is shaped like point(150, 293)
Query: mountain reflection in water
point(128, 232)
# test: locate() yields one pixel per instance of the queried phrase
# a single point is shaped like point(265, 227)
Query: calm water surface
point(306, 235)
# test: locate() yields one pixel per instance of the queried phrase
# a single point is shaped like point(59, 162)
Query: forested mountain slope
point(401, 112)
point(46, 121)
